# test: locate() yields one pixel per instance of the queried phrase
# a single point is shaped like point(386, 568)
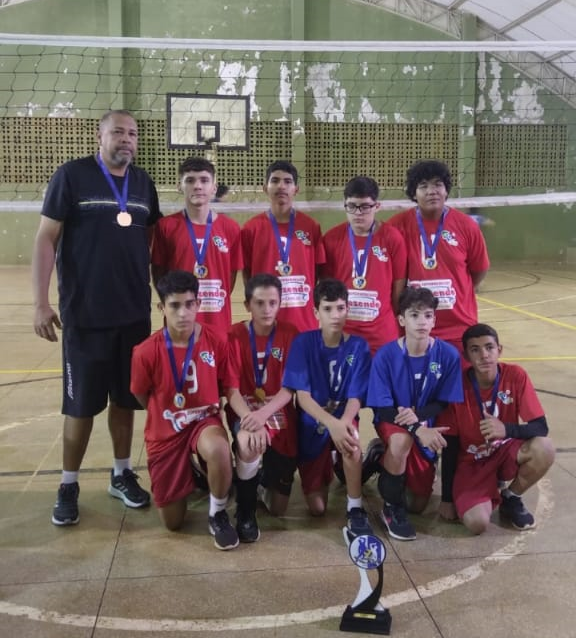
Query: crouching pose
point(498, 434)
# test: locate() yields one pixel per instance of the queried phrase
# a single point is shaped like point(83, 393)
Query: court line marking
point(37, 371)
point(533, 315)
point(543, 511)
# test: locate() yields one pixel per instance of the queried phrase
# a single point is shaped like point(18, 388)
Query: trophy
point(366, 614)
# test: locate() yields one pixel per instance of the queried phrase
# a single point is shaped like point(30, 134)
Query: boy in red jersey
point(287, 243)
point(498, 434)
point(201, 241)
point(446, 249)
point(176, 375)
point(369, 256)
point(260, 411)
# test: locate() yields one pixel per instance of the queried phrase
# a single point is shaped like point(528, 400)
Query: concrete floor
point(120, 574)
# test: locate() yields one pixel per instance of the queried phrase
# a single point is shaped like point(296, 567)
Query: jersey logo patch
point(220, 243)
point(303, 237)
point(380, 253)
point(436, 369)
point(277, 353)
point(505, 397)
point(208, 357)
point(449, 238)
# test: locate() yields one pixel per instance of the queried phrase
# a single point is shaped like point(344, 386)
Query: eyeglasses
point(360, 209)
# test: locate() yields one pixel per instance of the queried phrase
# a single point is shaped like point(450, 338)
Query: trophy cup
point(366, 614)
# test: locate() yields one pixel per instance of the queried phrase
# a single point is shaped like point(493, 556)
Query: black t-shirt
point(103, 268)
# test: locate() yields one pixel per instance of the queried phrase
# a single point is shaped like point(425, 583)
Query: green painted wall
point(334, 88)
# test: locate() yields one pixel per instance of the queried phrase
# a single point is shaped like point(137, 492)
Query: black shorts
point(278, 471)
point(96, 367)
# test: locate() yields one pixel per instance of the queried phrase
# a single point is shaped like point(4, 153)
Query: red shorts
point(170, 471)
point(476, 481)
point(420, 472)
point(317, 473)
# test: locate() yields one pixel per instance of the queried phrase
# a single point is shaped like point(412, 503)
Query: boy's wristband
point(411, 429)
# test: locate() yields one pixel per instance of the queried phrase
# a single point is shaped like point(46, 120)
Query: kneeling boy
point(260, 411)
point(498, 434)
point(176, 374)
point(412, 380)
point(328, 369)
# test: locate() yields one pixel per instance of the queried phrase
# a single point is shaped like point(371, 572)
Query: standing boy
point(176, 374)
point(287, 243)
point(328, 369)
point(201, 241)
point(498, 434)
point(369, 256)
point(446, 249)
point(260, 411)
point(411, 381)
point(96, 221)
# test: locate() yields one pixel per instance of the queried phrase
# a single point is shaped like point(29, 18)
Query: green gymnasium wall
point(492, 150)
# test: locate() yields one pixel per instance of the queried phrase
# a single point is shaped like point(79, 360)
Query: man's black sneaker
point(126, 488)
point(225, 536)
point(357, 521)
point(397, 523)
point(512, 509)
point(65, 510)
point(371, 459)
point(247, 526)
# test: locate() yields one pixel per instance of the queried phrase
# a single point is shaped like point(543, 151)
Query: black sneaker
point(512, 509)
point(225, 536)
point(357, 521)
point(65, 510)
point(397, 523)
point(126, 488)
point(247, 526)
point(371, 459)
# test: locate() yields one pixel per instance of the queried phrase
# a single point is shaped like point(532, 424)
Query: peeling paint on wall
point(494, 93)
point(236, 79)
point(329, 94)
point(367, 112)
point(525, 103)
point(285, 95)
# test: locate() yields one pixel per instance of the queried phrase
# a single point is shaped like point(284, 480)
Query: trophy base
point(376, 621)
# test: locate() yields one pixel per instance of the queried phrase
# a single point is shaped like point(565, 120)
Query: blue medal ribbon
point(360, 263)
point(121, 198)
point(481, 406)
point(259, 374)
point(284, 251)
point(416, 387)
point(199, 253)
point(430, 249)
point(178, 378)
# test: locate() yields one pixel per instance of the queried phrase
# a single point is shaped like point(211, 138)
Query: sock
point(217, 504)
point(353, 502)
point(391, 487)
point(120, 465)
point(245, 470)
point(507, 493)
point(69, 477)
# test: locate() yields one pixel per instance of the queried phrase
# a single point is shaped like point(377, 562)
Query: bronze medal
point(124, 219)
point(260, 394)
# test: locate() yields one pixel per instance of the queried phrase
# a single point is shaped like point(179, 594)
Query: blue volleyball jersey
point(391, 383)
point(331, 376)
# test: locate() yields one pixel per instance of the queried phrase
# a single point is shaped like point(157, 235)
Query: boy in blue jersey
point(328, 369)
point(411, 381)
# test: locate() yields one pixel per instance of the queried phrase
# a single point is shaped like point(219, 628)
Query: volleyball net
point(502, 115)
